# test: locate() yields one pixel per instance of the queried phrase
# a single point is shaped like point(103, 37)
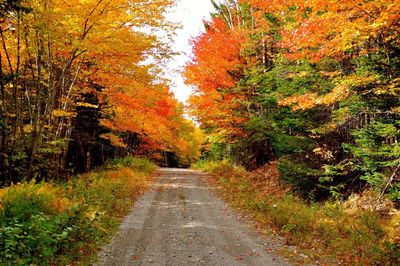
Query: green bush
point(37, 222)
point(139, 164)
point(303, 178)
point(285, 144)
point(56, 224)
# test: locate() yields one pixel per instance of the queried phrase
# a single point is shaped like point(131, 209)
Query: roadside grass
point(64, 223)
point(325, 230)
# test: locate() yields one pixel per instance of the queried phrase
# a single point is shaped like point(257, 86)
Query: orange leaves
point(108, 38)
point(114, 140)
point(215, 69)
point(164, 108)
point(100, 56)
point(154, 114)
point(343, 30)
point(315, 29)
point(339, 93)
point(216, 56)
point(340, 28)
point(109, 35)
point(343, 90)
point(300, 102)
point(310, 100)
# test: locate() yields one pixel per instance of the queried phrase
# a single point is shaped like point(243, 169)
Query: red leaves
point(216, 55)
point(164, 108)
point(214, 71)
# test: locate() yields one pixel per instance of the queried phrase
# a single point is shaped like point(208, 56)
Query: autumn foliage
point(81, 81)
point(312, 88)
point(314, 84)
point(214, 71)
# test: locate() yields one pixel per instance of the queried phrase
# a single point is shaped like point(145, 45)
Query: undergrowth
point(358, 238)
point(61, 223)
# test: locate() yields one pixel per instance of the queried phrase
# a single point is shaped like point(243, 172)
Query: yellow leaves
point(330, 74)
point(393, 234)
point(300, 102)
point(301, 74)
point(393, 88)
point(88, 105)
point(323, 153)
point(396, 109)
point(342, 91)
point(114, 140)
point(356, 24)
point(2, 194)
point(109, 35)
point(53, 199)
point(93, 214)
point(62, 113)
point(71, 50)
point(11, 115)
point(28, 128)
point(357, 80)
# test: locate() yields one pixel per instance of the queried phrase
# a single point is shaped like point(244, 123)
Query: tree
point(214, 71)
point(316, 97)
point(60, 59)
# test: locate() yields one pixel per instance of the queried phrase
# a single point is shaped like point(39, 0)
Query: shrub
point(37, 221)
point(303, 178)
point(42, 224)
point(24, 200)
point(352, 238)
point(140, 165)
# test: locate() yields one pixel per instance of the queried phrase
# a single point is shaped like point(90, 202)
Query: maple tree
point(214, 71)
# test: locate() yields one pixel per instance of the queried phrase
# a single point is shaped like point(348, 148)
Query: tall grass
point(139, 165)
point(361, 238)
point(42, 224)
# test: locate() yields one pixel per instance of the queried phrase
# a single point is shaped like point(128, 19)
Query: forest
point(75, 91)
point(312, 84)
point(295, 104)
point(300, 105)
point(81, 87)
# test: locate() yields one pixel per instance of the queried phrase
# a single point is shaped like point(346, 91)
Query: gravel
point(181, 221)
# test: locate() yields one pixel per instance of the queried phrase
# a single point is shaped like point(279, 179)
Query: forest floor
point(181, 221)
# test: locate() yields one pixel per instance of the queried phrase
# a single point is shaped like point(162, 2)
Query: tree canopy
point(81, 81)
point(314, 84)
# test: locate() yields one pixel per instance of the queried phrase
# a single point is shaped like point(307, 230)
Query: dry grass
point(362, 236)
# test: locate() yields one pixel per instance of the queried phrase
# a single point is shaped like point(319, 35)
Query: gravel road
point(181, 221)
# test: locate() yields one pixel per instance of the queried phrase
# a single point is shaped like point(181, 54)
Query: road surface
point(181, 221)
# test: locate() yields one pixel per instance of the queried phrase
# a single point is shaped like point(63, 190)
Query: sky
point(189, 13)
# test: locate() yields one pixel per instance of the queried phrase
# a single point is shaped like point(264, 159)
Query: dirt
point(181, 221)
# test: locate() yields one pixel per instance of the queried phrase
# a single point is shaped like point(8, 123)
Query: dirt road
point(182, 222)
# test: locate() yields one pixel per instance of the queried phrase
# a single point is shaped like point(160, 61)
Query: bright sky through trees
point(189, 13)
